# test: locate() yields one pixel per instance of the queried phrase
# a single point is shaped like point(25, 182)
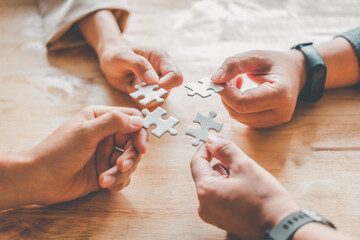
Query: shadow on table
point(274, 147)
point(78, 219)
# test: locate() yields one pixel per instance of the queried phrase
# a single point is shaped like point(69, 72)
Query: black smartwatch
point(315, 73)
point(286, 229)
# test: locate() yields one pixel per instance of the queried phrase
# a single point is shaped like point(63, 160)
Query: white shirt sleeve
point(60, 17)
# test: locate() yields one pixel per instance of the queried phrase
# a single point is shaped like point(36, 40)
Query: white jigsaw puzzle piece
point(148, 93)
point(202, 87)
point(206, 123)
point(162, 126)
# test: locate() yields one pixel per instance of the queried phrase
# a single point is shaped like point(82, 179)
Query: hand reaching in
point(281, 77)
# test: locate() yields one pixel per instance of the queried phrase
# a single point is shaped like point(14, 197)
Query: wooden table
point(316, 156)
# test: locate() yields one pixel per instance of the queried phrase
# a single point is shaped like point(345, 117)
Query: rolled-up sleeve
point(60, 17)
point(353, 36)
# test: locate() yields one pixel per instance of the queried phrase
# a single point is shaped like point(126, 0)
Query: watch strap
point(287, 227)
point(314, 88)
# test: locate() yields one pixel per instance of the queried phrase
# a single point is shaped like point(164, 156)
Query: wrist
point(299, 61)
point(18, 180)
point(309, 230)
point(101, 31)
point(275, 211)
point(113, 49)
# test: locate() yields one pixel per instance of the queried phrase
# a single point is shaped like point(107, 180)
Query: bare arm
point(317, 231)
point(17, 188)
point(341, 62)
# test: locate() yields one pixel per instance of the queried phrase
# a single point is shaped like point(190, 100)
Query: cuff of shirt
point(61, 31)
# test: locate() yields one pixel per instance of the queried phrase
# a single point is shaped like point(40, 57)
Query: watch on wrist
point(315, 73)
point(287, 227)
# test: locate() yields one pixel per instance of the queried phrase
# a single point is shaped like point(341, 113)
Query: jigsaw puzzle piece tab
point(206, 123)
point(203, 88)
point(148, 93)
point(162, 126)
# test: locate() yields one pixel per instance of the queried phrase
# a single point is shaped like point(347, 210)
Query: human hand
point(237, 195)
point(84, 153)
point(281, 77)
point(125, 67)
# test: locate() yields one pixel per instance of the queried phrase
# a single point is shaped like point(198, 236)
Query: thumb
point(114, 121)
point(249, 63)
point(143, 70)
point(227, 153)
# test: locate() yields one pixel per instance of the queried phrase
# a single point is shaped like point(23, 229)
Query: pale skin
point(241, 197)
point(281, 77)
point(76, 159)
point(123, 66)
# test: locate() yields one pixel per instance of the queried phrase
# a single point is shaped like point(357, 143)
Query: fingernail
point(218, 75)
point(127, 164)
point(108, 181)
point(151, 76)
point(213, 139)
point(136, 121)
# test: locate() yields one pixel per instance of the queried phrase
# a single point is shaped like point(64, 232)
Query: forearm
point(341, 62)
point(17, 180)
point(318, 231)
point(101, 29)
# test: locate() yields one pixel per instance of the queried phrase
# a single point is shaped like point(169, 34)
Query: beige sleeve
point(60, 16)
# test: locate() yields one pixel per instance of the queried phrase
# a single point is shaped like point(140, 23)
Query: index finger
point(200, 164)
point(171, 76)
point(170, 80)
point(264, 97)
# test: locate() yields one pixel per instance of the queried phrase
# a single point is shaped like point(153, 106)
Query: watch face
point(318, 82)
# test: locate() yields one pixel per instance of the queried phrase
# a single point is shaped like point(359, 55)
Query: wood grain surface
point(316, 156)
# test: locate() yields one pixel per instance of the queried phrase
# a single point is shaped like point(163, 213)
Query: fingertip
point(141, 141)
point(213, 139)
point(124, 166)
point(136, 122)
point(218, 76)
point(108, 181)
point(151, 77)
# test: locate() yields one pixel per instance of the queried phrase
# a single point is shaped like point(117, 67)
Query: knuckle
point(286, 118)
point(203, 213)
point(286, 96)
point(201, 191)
point(89, 110)
point(115, 116)
point(227, 147)
point(138, 62)
point(204, 190)
point(178, 76)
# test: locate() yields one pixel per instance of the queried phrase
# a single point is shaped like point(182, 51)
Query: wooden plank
point(316, 156)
